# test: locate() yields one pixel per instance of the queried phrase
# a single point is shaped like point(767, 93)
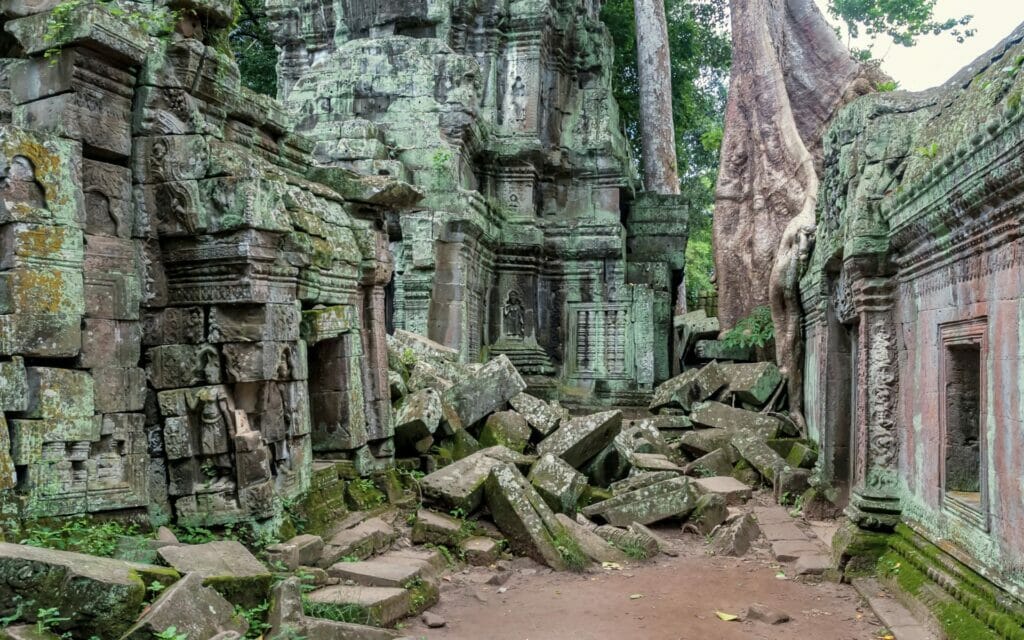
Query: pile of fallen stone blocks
point(559, 486)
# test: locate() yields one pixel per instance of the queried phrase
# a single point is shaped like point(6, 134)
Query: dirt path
point(679, 599)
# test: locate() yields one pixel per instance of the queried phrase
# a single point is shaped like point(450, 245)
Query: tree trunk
point(790, 75)
point(654, 71)
point(657, 127)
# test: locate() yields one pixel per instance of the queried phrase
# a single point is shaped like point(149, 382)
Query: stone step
point(734, 491)
point(365, 539)
point(382, 606)
point(388, 570)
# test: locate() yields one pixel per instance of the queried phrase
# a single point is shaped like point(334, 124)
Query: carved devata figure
point(515, 315)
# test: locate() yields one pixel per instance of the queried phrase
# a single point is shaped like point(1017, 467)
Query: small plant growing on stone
point(47, 618)
point(351, 613)
point(171, 633)
point(19, 611)
point(408, 357)
point(256, 617)
point(754, 331)
point(634, 550)
point(886, 87)
point(569, 549)
point(930, 151)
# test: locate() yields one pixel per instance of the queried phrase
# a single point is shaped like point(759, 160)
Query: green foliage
point(81, 535)
point(20, 605)
point(253, 47)
point(47, 618)
point(634, 550)
point(756, 330)
point(930, 151)
point(886, 87)
point(903, 21)
point(256, 617)
point(171, 633)
point(351, 613)
point(570, 551)
point(408, 356)
point(700, 260)
point(154, 20)
point(194, 535)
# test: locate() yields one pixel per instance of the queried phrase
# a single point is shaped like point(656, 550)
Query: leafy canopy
point(904, 21)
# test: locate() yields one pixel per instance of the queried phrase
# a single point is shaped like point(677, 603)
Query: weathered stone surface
point(719, 416)
point(98, 596)
point(687, 388)
point(734, 491)
point(460, 485)
point(752, 383)
point(192, 609)
point(302, 550)
point(594, 546)
point(382, 571)
point(487, 391)
point(710, 511)
point(735, 538)
point(580, 439)
point(225, 565)
point(762, 457)
point(665, 499)
point(700, 442)
point(624, 539)
point(285, 617)
point(507, 429)
point(654, 462)
point(432, 527)
point(383, 606)
point(361, 541)
point(417, 419)
point(558, 483)
point(641, 480)
point(717, 463)
point(522, 515)
point(719, 350)
point(480, 551)
point(763, 613)
point(538, 413)
point(694, 326)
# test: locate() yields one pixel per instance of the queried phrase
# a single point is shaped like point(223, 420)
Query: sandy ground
point(679, 598)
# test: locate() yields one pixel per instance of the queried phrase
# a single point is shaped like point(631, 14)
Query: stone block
point(734, 491)
point(694, 326)
point(802, 456)
point(59, 393)
point(13, 385)
point(416, 419)
point(762, 457)
point(432, 527)
point(302, 550)
point(192, 609)
point(173, 326)
point(665, 499)
point(641, 480)
point(489, 390)
point(383, 606)
point(480, 551)
point(580, 439)
point(709, 512)
point(507, 429)
point(700, 442)
point(425, 376)
point(119, 389)
point(42, 289)
point(264, 361)
point(717, 463)
point(538, 413)
point(382, 571)
point(98, 596)
point(719, 350)
point(752, 383)
point(461, 485)
point(226, 566)
point(361, 541)
point(736, 537)
point(45, 335)
point(594, 546)
point(720, 416)
point(523, 516)
point(637, 544)
point(695, 385)
point(654, 462)
point(558, 483)
point(416, 347)
point(327, 323)
point(254, 323)
point(110, 343)
point(286, 617)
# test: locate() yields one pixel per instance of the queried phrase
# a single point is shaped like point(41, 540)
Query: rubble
point(558, 483)
point(507, 429)
point(523, 516)
point(666, 499)
point(538, 413)
point(193, 609)
point(582, 438)
point(480, 395)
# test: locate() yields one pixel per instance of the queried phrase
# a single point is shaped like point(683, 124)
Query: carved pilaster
point(875, 500)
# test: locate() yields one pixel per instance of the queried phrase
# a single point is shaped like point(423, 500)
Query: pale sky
point(936, 58)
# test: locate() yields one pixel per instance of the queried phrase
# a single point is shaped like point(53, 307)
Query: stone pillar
point(875, 501)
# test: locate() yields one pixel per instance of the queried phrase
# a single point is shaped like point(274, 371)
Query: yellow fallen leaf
point(636, 596)
point(612, 566)
point(728, 617)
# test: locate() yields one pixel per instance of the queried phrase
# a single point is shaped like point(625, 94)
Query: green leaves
point(901, 20)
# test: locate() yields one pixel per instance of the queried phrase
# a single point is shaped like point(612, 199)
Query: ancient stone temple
point(190, 304)
point(528, 241)
point(913, 326)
